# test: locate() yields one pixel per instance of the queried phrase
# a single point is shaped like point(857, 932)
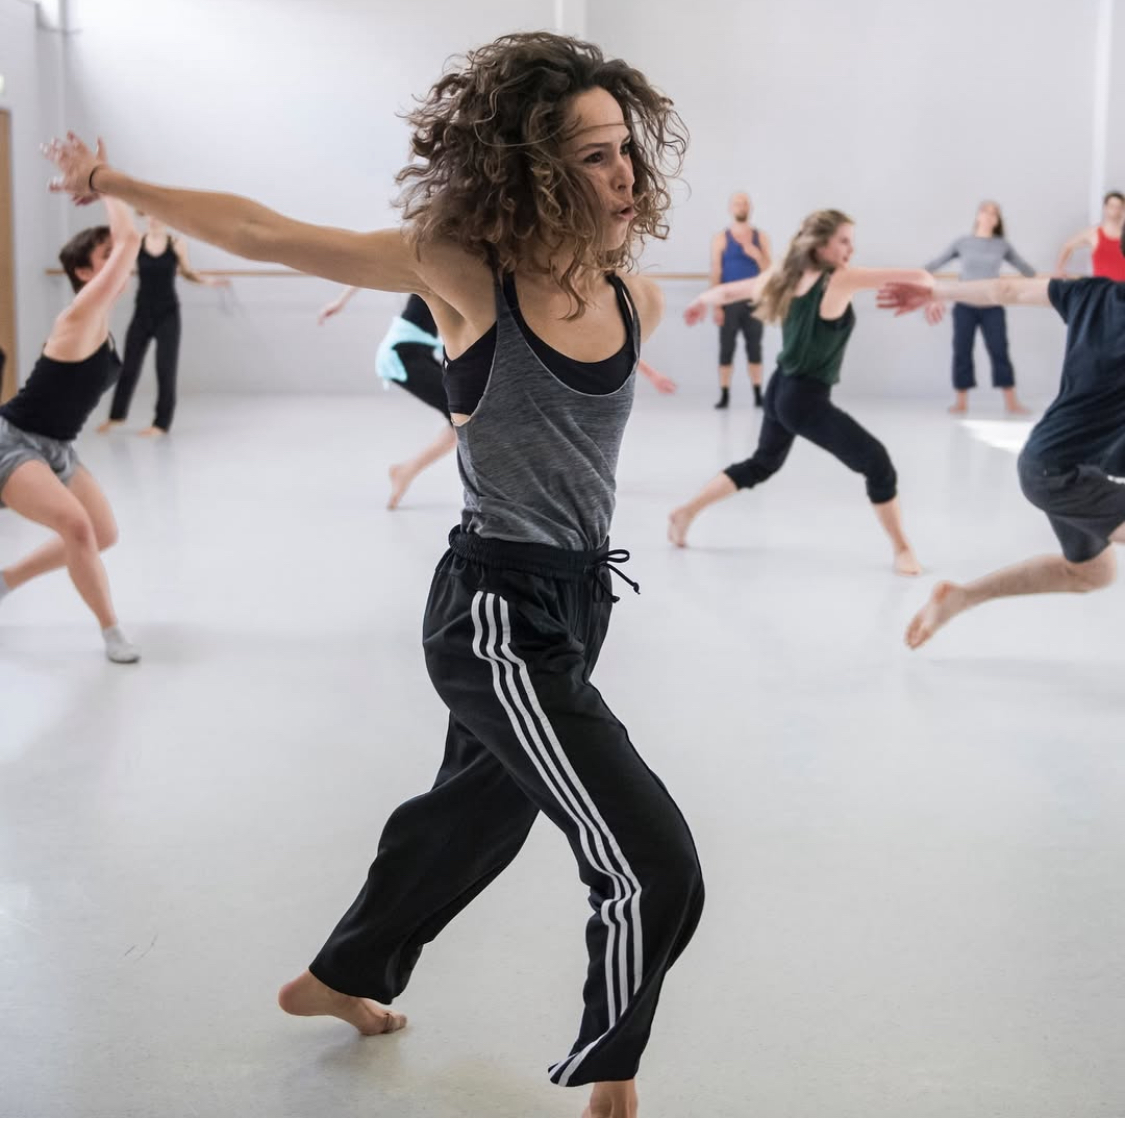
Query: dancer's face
point(838, 250)
point(599, 143)
point(1113, 212)
point(988, 218)
point(99, 255)
point(740, 208)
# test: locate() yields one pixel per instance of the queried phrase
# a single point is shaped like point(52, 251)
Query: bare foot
point(958, 408)
point(306, 995)
point(906, 563)
point(678, 523)
point(1018, 409)
point(152, 431)
point(612, 1098)
point(946, 601)
point(107, 425)
point(400, 481)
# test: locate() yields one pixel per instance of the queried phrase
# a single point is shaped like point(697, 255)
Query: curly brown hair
point(489, 171)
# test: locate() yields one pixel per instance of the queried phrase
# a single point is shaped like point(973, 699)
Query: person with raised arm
point(1103, 241)
point(810, 294)
point(41, 477)
point(156, 316)
point(1072, 466)
point(539, 167)
point(981, 255)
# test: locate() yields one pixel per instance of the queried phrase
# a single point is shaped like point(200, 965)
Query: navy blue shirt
point(1086, 422)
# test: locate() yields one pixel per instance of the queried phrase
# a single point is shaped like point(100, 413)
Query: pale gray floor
point(915, 898)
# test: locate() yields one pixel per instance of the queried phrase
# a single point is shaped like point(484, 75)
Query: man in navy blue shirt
point(1073, 465)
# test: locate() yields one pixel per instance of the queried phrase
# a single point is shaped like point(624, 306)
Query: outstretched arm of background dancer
point(179, 248)
point(719, 295)
point(662, 383)
point(89, 309)
point(381, 259)
point(1087, 237)
point(902, 297)
point(947, 255)
point(338, 304)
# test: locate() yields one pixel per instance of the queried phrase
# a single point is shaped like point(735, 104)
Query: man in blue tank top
point(740, 252)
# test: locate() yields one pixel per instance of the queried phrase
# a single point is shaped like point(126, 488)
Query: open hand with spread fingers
point(905, 296)
point(75, 163)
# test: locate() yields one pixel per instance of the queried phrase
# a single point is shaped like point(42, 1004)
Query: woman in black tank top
point(539, 168)
point(156, 317)
point(41, 477)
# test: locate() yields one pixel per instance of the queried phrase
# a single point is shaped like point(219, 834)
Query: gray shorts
point(18, 447)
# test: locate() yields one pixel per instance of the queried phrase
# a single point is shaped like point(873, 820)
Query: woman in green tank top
point(810, 295)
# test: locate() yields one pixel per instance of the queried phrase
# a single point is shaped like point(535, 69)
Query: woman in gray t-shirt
point(982, 254)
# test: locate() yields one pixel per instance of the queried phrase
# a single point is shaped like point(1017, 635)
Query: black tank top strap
point(629, 312)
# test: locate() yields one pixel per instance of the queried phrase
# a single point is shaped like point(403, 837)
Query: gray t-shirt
point(981, 258)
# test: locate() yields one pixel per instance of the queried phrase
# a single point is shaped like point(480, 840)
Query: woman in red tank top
point(1106, 257)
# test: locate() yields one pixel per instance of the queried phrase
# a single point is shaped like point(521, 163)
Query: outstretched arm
point(946, 255)
point(1087, 237)
point(179, 248)
point(903, 297)
point(337, 305)
point(728, 293)
point(662, 383)
point(96, 298)
point(379, 259)
point(1014, 260)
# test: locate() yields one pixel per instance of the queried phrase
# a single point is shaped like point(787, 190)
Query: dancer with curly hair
point(539, 168)
point(811, 296)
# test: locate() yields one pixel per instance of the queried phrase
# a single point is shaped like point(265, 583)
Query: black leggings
point(798, 407)
point(163, 327)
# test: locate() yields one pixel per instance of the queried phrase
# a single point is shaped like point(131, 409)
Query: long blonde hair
point(816, 230)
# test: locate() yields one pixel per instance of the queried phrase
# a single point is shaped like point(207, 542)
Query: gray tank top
point(537, 458)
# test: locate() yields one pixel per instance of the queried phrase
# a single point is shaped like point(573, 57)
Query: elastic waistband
point(543, 561)
point(527, 557)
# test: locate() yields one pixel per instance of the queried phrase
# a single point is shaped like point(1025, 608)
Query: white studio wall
point(903, 118)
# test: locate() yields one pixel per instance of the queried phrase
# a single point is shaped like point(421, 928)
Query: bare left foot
point(906, 563)
point(678, 523)
point(400, 480)
point(1018, 409)
point(612, 1098)
point(306, 995)
point(152, 431)
point(946, 601)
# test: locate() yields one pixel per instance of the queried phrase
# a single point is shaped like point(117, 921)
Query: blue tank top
point(738, 265)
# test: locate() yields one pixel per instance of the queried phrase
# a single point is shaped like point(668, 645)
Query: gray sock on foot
point(117, 646)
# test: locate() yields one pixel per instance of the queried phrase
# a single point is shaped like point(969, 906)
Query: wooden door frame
point(7, 261)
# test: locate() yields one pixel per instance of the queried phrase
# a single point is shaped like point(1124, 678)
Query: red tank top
point(1108, 260)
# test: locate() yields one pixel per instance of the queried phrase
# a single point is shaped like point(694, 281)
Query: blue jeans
point(994, 325)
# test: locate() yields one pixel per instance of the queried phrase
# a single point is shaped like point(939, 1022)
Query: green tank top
point(811, 347)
